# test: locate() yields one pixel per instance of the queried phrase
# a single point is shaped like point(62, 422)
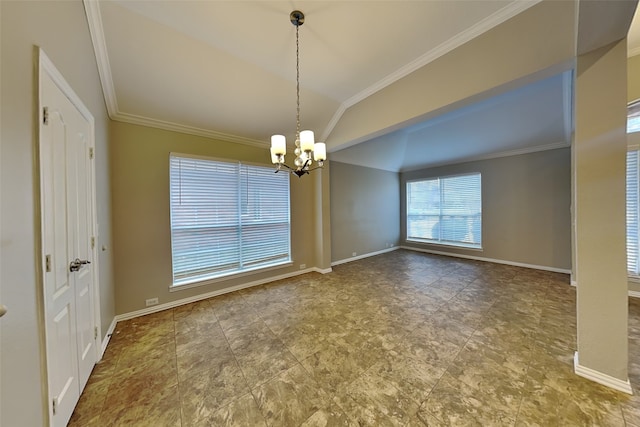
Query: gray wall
point(525, 208)
point(365, 216)
point(60, 28)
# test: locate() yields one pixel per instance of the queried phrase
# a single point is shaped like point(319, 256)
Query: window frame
point(633, 113)
point(240, 209)
point(442, 243)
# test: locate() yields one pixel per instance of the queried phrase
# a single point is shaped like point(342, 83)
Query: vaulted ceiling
point(226, 69)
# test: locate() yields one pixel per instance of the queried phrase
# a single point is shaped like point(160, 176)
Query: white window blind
point(445, 210)
point(633, 266)
point(226, 218)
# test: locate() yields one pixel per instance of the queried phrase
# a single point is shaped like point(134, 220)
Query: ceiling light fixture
point(305, 145)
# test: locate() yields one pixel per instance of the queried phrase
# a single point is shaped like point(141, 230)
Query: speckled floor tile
point(290, 398)
point(456, 403)
point(403, 338)
point(241, 412)
point(373, 400)
point(331, 416)
point(337, 365)
point(160, 409)
point(206, 392)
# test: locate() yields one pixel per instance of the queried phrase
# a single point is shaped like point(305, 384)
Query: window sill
point(203, 281)
point(447, 245)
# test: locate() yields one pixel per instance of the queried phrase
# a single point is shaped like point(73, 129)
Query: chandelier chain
point(297, 82)
point(307, 150)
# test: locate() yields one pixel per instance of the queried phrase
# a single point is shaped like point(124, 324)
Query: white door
point(67, 224)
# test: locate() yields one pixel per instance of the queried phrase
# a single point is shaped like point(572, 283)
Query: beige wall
point(365, 215)
point(60, 28)
point(633, 78)
point(525, 208)
point(599, 153)
point(142, 233)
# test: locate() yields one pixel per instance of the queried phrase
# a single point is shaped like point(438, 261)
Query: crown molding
point(191, 130)
point(493, 20)
point(94, 19)
point(507, 153)
point(334, 121)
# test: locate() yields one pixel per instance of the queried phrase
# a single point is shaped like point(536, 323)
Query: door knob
point(77, 264)
point(3, 310)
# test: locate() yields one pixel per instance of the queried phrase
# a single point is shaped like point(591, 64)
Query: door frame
point(48, 69)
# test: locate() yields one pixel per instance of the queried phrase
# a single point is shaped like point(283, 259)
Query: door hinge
point(91, 152)
point(55, 404)
point(95, 332)
point(93, 242)
point(47, 263)
point(45, 115)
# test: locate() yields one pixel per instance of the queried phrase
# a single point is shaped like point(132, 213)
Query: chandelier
point(305, 145)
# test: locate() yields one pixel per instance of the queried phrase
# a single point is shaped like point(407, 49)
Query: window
point(633, 190)
point(445, 210)
point(633, 266)
point(226, 218)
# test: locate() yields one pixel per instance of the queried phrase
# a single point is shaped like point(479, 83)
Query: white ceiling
point(532, 118)
point(226, 69)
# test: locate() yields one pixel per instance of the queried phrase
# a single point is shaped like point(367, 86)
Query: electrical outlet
point(303, 266)
point(152, 301)
point(353, 254)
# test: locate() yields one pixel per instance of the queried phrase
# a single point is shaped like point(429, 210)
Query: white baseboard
point(367, 255)
point(177, 303)
point(600, 378)
point(322, 270)
point(107, 337)
point(497, 261)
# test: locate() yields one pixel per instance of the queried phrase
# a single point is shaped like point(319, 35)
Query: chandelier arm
point(314, 168)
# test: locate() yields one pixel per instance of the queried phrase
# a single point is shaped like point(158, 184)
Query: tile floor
point(403, 338)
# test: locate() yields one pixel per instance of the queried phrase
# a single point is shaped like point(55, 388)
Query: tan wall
point(142, 232)
point(60, 28)
point(525, 208)
point(365, 214)
point(600, 147)
point(633, 78)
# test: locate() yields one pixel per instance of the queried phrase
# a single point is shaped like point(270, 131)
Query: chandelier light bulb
point(319, 151)
point(275, 158)
point(306, 140)
point(279, 144)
